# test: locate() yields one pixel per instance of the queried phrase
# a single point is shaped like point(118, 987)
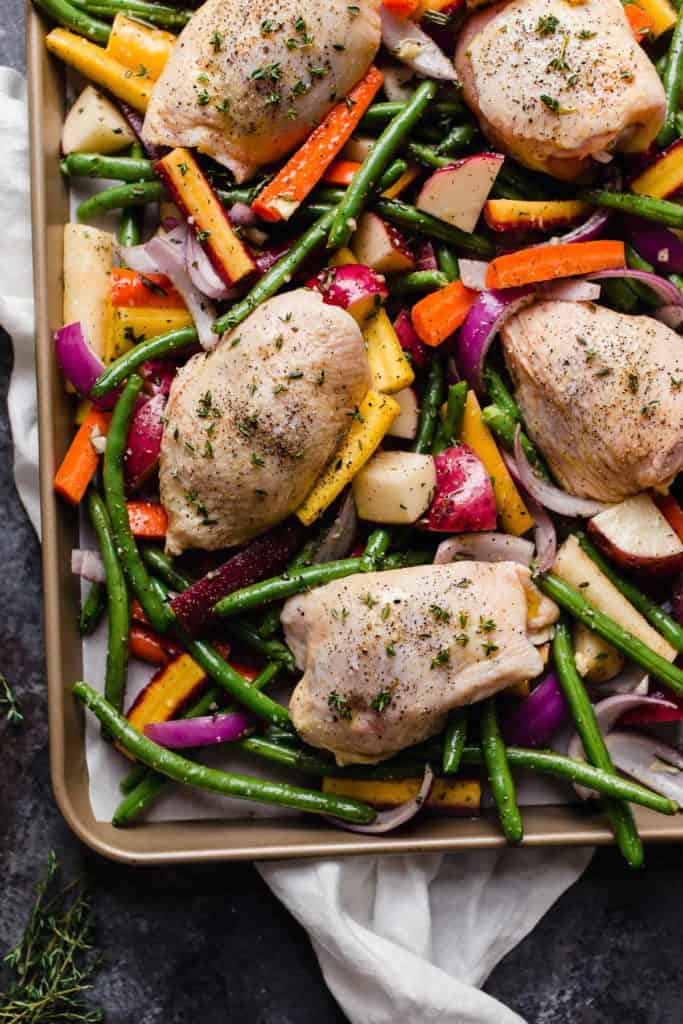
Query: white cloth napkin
point(400, 940)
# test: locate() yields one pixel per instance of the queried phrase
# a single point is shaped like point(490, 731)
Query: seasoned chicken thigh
point(250, 425)
point(556, 83)
point(601, 394)
point(387, 655)
point(247, 81)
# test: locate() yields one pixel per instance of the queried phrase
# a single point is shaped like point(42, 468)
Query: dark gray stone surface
point(211, 944)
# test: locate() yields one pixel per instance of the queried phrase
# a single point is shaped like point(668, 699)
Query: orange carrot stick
point(148, 646)
point(137, 614)
point(341, 172)
point(80, 462)
point(148, 520)
point(439, 314)
point(302, 172)
point(672, 512)
point(640, 21)
point(547, 262)
point(128, 288)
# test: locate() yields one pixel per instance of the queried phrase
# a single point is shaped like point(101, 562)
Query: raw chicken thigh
point(387, 655)
point(247, 82)
point(601, 394)
point(251, 425)
point(556, 83)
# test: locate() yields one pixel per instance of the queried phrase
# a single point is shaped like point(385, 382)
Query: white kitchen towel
point(400, 940)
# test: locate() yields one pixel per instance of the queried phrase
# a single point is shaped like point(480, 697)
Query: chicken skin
point(601, 394)
point(387, 655)
point(247, 81)
point(251, 425)
point(555, 84)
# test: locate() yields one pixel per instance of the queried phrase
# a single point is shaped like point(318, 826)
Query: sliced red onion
point(425, 257)
point(656, 244)
point(570, 291)
point(672, 316)
point(137, 258)
point(339, 539)
point(473, 274)
point(171, 261)
point(630, 680)
point(533, 721)
point(667, 292)
point(80, 365)
point(202, 273)
point(607, 713)
point(586, 232)
point(547, 494)
point(242, 215)
point(545, 534)
point(397, 83)
point(88, 564)
point(649, 761)
point(484, 319)
point(199, 732)
point(407, 42)
point(485, 547)
point(267, 258)
point(386, 821)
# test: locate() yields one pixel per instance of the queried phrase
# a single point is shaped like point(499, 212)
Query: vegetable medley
point(387, 403)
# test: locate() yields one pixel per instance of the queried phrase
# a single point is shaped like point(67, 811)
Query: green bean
point(378, 544)
point(405, 559)
point(132, 217)
point(620, 294)
point(457, 139)
point(116, 673)
point(330, 195)
point(449, 430)
point(499, 190)
point(393, 172)
point(454, 740)
point(575, 603)
point(279, 587)
point(180, 769)
point(412, 219)
point(658, 210)
point(268, 622)
point(379, 114)
point(636, 262)
point(138, 194)
point(135, 777)
point(154, 348)
point(662, 622)
point(618, 812)
point(162, 566)
point(157, 612)
point(679, 124)
point(448, 263)
point(500, 395)
point(432, 398)
point(660, 65)
point(428, 156)
point(228, 196)
point(527, 184)
point(499, 776)
point(677, 280)
point(70, 16)
point(673, 81)
point(278, 275)
point(96, 165)
point(410, 764)
point(272, 649)
point(367, 176)
point(93, 609)
point(416, 282)
point(157, 14)
point(503, 427)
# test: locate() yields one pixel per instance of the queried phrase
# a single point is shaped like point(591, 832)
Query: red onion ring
point(80, 365)
point(338, 540)
point(665, 290)
point(386, 821)
point(202, 273)
point(242, 215)
point(586, 232)
point(547, 494)
point(170, 259)
point(636, 755)
point(485, 547)
point(484, 319)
